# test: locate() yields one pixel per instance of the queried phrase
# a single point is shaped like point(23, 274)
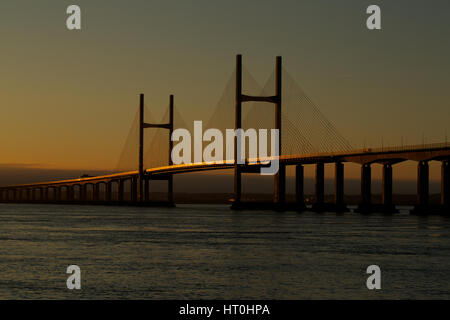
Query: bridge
point(110, 189)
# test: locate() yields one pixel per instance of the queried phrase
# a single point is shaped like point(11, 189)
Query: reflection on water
point(211, 252)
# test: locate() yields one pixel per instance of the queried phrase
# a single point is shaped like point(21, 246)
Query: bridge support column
point(280, 186)
point(134, 189)
point(82, 192)
point(423, 183)
point(108, 191)
point(237, 125)
point(339, 187)
point(366, 189)
point(387, 203)
point(70, 193)
point(423, 187)
point(299, 187)
point(320, 187)
point(140, 197)
point(58, 194)
point(387, 185)
point(146, 188)
point(280, 176)
point(45, 194)
point(96, 192)
point(170, 180)
point(170, 189)
point(445, 184)
point(120, 190)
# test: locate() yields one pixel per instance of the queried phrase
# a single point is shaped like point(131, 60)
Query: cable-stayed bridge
point(306, 137)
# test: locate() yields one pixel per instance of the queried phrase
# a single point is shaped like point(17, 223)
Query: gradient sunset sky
point(68, 97)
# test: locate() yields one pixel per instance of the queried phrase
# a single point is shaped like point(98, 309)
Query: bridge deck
point(439, 151)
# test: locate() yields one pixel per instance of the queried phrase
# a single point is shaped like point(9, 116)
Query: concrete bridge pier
point(280, 186)
point(299, 187)
point(423, 192)
point(318, 205)
point(339, 188)
point(170, 189)
point(82, 192)
point(134, 189)
point(45, 193)
point(58, 194)
point(423, 187)
point(366, 189)
point(445, 185)
point(41, 194)
point(96, 192)
point(146, 188)
point(70, 193)
point(108, 191)
point(387, 203)
point(120, 190)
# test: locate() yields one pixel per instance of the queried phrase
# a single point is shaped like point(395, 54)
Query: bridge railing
point(422, 147)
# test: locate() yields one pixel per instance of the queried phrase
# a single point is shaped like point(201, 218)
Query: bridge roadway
point(385, 156)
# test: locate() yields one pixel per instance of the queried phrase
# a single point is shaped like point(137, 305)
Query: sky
point(68, 98)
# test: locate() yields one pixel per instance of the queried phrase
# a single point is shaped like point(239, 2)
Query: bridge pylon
point(279, 196)
point(143, 178)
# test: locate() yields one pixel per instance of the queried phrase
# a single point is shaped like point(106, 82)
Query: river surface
point(211, 252)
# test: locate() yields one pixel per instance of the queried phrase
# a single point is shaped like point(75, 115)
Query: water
point(211, 252)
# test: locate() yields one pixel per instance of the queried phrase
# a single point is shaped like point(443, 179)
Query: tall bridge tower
point(143, 178)
point(280, 177)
